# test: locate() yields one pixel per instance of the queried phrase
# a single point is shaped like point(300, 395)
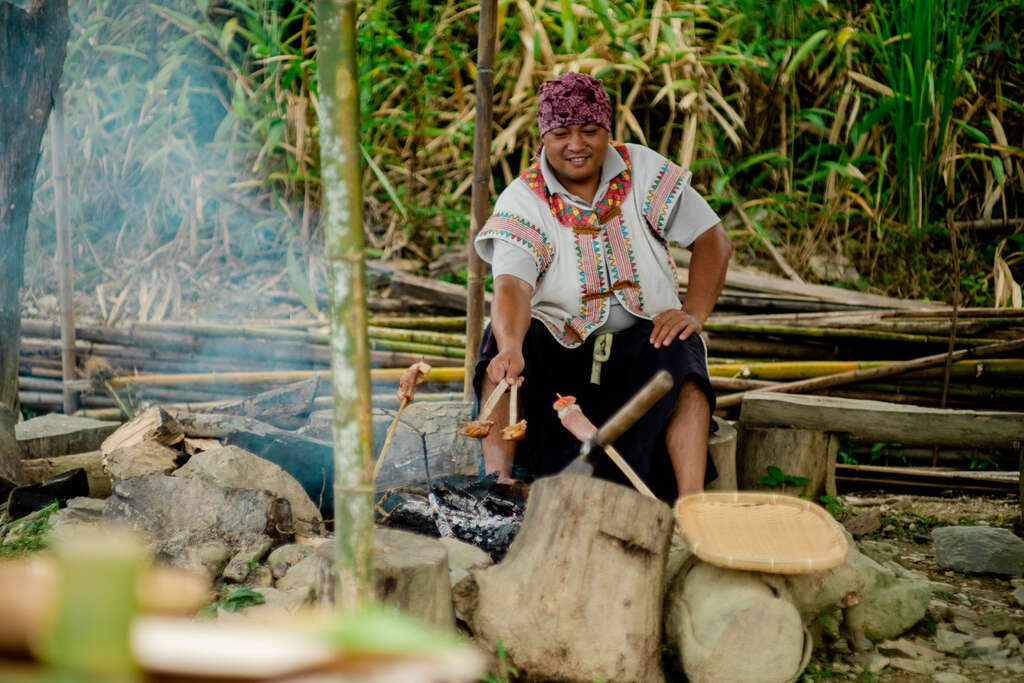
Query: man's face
point(576, 153)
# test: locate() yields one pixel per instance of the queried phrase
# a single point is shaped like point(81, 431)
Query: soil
point(906, 525)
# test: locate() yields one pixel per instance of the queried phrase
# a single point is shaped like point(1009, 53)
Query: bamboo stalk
point(789, 370)
point(414, 347)
point(480, 199)
point(832, 333)
point(65, 264)
point(419, 336)
point(436, 323)
point(872, 373)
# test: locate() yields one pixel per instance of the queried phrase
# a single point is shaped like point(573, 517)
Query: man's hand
point(673, 324)
point(506, 366)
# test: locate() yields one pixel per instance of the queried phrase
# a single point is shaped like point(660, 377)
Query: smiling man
point(586, 300)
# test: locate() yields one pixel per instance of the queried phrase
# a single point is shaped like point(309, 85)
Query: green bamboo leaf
point(227, 34)
point(975, 133)
point(804, 50)
point(998, 171)
point(300, 283)
point(568, 25)
point(385, 183)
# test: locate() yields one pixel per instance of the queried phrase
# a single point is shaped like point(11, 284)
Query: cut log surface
point(155, 424)
point(807, 453)
point(579, 595)
point(54, 435)
point(881, 421)
point(40, 469)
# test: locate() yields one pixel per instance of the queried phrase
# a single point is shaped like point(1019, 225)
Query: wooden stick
point(634, 479)
point(887, 371)
point(387, 439)
point(513, 404)
point(492, 400)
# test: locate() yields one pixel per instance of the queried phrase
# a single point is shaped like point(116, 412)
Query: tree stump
point(725, 625)
point(797, 452)
point(579, 595)
point(722, 446)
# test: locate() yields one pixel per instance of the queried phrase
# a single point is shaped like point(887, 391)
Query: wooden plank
point(881, 421)
point(849, 477)
point(443, 294)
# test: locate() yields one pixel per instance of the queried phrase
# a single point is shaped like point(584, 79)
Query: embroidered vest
point(583, 256)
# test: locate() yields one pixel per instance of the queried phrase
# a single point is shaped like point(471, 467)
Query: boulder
point(194, 524)
point(305, 575)
point(237, 468)
point(728, 625)
point(285, 557)
point(54, 434)
point(11, 472)
point(239, 567)
point(979, 550)
point(864, 523)
point(137, 460)
point(78, 511)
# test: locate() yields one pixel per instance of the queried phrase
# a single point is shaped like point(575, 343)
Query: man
point(586, 299)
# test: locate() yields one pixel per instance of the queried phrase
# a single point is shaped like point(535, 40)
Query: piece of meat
point(477, 429)
point(514, 432)
point(573, 419)
point(414, 375)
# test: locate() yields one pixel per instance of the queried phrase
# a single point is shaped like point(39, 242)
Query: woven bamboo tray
point(763, 532)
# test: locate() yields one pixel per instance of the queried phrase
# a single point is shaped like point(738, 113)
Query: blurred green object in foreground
point(98, 572)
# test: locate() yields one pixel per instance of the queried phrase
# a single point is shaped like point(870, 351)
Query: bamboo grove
point(841, 130)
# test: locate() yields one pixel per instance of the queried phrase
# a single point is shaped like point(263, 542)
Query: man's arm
point(711, 252)
point(510, 321)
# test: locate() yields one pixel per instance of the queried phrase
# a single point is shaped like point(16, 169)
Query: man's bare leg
point(687, 438)
point(498, 453)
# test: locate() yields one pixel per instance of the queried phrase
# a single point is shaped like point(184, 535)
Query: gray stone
point(1002, 622)
point(879, 551)
point(979, 549)
point(235, 467)
point(985, 646)
point(54, 434)
point(1018, 595)
point(917, 666)
point(949, 677)
point(1011, 642)
point(147, 457)
point(969, 626)
point(463, 558)
point(303, 575)
point(286, 556)
point(941, 587)
point(260, 577)
point(872, 662)
point(194, 524)
point(864, 523)
point(908, 648)
point(938, 609)
point(949, 641)
point(889, 607)
point(79, 511)
point(239, 566)
point(276, 601)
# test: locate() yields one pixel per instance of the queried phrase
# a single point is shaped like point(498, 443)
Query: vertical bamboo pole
point(486, 38)
point(64, 263)
point(341, 176)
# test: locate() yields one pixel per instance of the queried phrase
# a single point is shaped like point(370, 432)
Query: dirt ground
point(987, 601)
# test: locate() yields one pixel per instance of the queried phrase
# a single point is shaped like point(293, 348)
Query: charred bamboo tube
point(872, 373)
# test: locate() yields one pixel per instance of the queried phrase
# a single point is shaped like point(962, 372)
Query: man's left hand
point(673, 324)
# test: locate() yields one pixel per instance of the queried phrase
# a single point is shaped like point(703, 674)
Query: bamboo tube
point(872, 373)
point(65, 264)
point(415, 347)
point(1009, 368)
point(487, 31)
point(341, 172)
point(418, 336)
point(832, 333)
point(436, 323)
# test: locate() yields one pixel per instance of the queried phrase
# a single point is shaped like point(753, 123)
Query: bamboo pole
point(341, 172)
point(480, 199)
point(835, 333)
point(873, 373)
point(65, 265)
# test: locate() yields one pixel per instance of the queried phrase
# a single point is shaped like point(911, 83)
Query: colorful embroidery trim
point(517, 230)
point(572, 216)
point(662, 196)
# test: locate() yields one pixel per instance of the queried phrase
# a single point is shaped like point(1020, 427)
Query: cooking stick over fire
point(481, 426)
point(515, 430)
point(415, 375)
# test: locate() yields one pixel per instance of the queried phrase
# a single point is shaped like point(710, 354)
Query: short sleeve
point(692, 217)
point(509, 259)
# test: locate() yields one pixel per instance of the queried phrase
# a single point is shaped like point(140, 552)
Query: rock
point(137, 460)
point(31, 497)
point(78, 511)
point(887, 606)
point(239, 566)
point(879, 551)
point(985, 646)
point(1003, 622)
point(979, 549)
point(938, 609)
point(949, 641)
point(304, 574)
point(282, 558)
point(727, 625)
point(194, 524)
point(54, 434)
point(1018, 595)
point(907, 648)
point(917, 666)
point(463, 558)
point(260, 577)
point(1011, 642)
point(948, 677)
point(11, 471)
point(872, 662)
point(864, 523)
point(276, 602)
point(234, 467)
point(941, 587)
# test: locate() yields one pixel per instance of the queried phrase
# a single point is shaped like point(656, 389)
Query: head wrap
point(573, 99)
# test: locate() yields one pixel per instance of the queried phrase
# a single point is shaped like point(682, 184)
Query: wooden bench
point(800, 434)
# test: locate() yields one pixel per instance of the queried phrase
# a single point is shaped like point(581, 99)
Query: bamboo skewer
point(387, 439)
point(414, 375)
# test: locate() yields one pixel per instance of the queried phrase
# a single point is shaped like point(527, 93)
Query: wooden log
point(11, 466)
point(53, 435)
point(808, 453)
point(722, 446)
point(878, 421)
point(290, 400)
point(930, 480)
point(579, 595)
point(411, 572)
point(442, 294)
point(728, 625)
point(41, 469)
point(155, 424)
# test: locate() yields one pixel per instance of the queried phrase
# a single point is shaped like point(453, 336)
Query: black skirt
point(552, 369)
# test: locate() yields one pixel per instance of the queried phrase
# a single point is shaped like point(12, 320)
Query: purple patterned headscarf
point(573, 99)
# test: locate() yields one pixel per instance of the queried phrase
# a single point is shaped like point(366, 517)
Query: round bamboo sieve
point(763, 532)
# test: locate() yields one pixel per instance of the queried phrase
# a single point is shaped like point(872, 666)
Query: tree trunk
point(32, 48)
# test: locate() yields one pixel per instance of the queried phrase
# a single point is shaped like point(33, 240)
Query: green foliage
point(237, 599)
point(506, 672)
point(776, 478)
point(381, 629)
point(26, 534)
point(835, 506)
